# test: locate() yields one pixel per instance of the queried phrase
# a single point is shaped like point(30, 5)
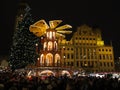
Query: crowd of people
point(16, 81)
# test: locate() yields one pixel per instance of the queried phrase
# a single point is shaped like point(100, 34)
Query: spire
point(22, 8)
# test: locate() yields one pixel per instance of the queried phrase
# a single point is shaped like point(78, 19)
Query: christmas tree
point(23, 49)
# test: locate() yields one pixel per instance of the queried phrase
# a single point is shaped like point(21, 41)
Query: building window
point(103, 56)
point(68, 56)
point(108, 64)
point(77, 63)
point(107, 57)
point(76, 53)
point(109, 50)
point(93, 38)
point(71, 48)
point(111, 64)
point(110, 57)
point(71, 55)
point(81, 64)
point(68, 63)
point(104, 64)
point(71, 63)
point(100, 57)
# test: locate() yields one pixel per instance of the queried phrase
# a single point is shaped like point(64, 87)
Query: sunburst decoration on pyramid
point(39, 28)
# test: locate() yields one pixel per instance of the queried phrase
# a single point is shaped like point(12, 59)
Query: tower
point(21, 10)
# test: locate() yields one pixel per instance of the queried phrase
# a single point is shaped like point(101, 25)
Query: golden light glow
point(54, 23)
point(64, 27)
point(42, 24)
point(50, 35)
point(49, 59)
point(45, 45)
point(100, 43)
point(50, 45)
point(40, 27)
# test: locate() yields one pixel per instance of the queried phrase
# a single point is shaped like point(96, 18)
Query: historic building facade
point(86, 50)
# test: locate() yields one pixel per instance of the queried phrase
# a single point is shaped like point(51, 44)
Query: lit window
point(50, 35)
point(49, 45)
point(54, 35)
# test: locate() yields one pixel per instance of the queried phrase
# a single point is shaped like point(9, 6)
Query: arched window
point(55, 45)
point(42, 59)
point(45, 46)
point(47, 35)
point(49, 59)
point(57, 59)
point(50, 36)
point(50, 45)
point(53, 35)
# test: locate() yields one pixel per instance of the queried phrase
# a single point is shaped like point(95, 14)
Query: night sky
point(103, 14)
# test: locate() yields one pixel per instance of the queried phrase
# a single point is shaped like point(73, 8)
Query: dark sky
point(103, 14)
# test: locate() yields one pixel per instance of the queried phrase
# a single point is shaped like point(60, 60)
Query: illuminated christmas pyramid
point(49, 55)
